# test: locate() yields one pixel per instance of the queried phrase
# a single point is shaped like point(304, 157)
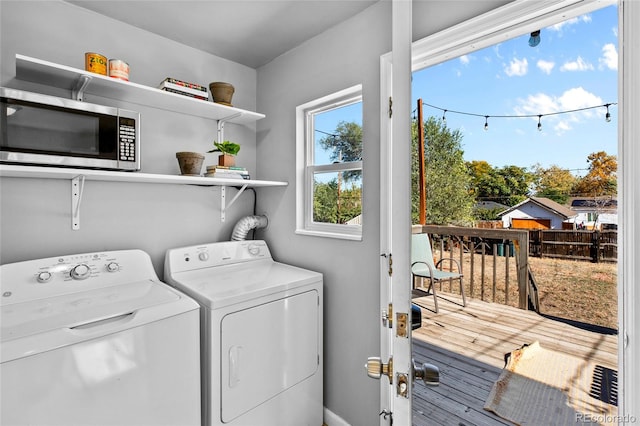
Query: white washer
point(96, 339)
point(261, 333)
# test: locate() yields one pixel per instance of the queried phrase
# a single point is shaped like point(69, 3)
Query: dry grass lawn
point(574, 290)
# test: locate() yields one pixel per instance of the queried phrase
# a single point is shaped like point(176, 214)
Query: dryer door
point(267, 349)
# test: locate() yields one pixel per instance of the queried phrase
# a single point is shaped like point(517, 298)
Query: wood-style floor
point(468, 345)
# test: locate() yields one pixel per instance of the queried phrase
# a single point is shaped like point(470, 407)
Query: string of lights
point(539, 116)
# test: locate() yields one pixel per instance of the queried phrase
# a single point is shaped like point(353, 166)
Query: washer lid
point(229, 284)
point(82, 310)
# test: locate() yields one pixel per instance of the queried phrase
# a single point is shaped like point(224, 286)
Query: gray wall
point(346, 55)
point(35, 213)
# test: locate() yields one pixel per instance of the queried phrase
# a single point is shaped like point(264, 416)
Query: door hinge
point(390, 106)
point(389, 258)
point(387, 415)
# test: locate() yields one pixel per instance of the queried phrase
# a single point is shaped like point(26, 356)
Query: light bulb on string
point(486, 117)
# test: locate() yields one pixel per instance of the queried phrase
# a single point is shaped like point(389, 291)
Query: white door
point(395, 292)
point(511, 20)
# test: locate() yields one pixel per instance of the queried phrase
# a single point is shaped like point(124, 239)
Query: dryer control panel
point(215, 254)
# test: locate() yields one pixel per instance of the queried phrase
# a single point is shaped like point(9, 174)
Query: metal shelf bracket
point(77, 188)
point(221, 125)
point(223, 197)
point(81, 85)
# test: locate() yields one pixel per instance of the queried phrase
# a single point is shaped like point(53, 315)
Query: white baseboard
point(332, 419)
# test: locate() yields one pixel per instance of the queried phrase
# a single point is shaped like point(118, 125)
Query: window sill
point(325, 234)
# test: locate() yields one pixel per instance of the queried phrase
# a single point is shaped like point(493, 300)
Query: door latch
point(387, 316)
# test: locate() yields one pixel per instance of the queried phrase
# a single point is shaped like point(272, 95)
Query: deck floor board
point(468, 344)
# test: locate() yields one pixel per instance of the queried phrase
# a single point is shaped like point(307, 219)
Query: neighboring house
point(595, 212)
point(536, 213)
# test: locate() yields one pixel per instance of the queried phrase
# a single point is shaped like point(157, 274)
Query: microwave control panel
point(127, 139)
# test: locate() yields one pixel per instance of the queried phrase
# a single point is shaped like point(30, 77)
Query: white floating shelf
point(77, 177)
point(64, 77)
point(7, 170)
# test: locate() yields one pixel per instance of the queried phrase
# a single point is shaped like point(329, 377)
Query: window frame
point(306, 167)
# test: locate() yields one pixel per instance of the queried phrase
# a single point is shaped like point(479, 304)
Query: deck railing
point(488, 256)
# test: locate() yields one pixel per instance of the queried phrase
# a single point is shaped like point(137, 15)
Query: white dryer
point(96, 339)
point(261, 333)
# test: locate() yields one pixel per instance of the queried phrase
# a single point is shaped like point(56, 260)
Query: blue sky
point(573, 67)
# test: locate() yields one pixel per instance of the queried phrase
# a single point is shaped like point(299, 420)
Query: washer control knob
point(254, 249)
point(113, 267)
point(203, 256)
point(44, 277)
point(80, 272)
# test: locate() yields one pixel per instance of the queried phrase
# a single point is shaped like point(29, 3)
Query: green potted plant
point(228, 150)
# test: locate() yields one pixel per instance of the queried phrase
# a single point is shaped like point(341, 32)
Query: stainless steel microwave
point(39, 129)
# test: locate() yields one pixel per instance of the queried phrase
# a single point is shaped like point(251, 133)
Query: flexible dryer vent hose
point(245, 225)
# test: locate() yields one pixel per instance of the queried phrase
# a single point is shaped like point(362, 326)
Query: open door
point(394, 367)
point(520, 16)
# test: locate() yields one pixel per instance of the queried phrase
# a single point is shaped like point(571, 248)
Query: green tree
point(553, 182)
point(345, 145)
point(508, 185)
point(446, 177)
point(601, 178)
point(518, 183)
point(340, 200)
point(333, 203)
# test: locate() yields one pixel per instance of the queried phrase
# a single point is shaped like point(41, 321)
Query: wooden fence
point(488, 256)
point(594, 246)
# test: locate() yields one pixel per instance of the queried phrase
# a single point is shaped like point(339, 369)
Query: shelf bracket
point(81, 85)
point(223, 205)
point(221, 125)
point(77, 188)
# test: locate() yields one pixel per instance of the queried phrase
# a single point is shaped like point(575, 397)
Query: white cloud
point(572, 99)
point(517, 67)
point(609, 57)
point(545, 66)
point(464, 59)
point(559, 27)
point(496, 50)
point(577, 65)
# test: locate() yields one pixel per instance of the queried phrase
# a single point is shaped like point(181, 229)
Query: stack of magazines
point(185, 88)
point(227, 172)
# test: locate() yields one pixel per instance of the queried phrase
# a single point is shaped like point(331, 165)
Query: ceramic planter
point(190, 163)
point(221, 92)
point(226, 160)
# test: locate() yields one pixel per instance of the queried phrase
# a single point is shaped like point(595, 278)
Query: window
point(329, 166)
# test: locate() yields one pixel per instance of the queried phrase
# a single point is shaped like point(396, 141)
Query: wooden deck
point(468, 345)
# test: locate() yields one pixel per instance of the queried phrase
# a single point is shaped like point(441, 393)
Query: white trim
point(504, 23)
point(340, 235)
point(399, 181)
point(629, 209)
point(386, 208)
point(305, 173)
